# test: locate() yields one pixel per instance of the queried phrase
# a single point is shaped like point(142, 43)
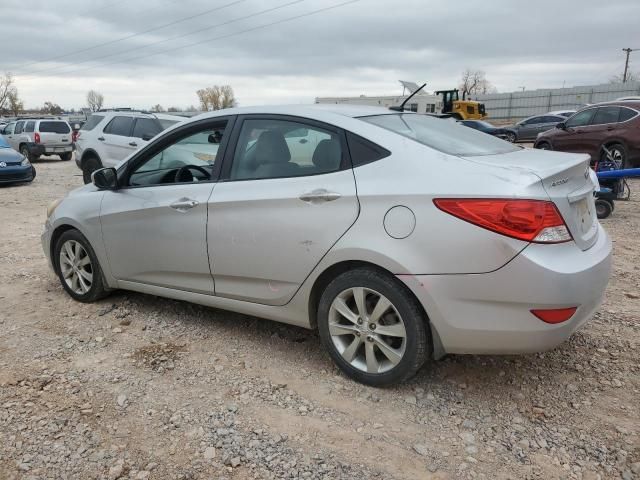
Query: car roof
point(619, 103)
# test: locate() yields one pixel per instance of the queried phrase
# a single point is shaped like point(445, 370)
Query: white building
point(422, 102)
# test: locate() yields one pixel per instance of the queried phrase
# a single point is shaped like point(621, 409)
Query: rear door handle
point(319, 195)
point(101, 139)
point(184, 204)
point(133, 144)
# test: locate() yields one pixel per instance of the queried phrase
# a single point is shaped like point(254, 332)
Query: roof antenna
point(401, 107)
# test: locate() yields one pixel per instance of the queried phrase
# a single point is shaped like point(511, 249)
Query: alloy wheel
point(76, 268)
point(367, 330)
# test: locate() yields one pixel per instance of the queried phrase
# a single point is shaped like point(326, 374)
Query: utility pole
point(626, 63)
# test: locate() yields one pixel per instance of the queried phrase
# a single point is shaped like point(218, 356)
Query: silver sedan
point(400, 237)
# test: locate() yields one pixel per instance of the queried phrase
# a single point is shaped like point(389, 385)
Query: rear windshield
point(92, 122)
point(54, 127)
point(443, 134)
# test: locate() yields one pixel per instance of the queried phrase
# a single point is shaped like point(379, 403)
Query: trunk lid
point(566, 180)
point(55, 133)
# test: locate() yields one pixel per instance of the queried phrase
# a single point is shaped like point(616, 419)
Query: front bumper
point(16, 174)
point(491, 313)
point(45, 239)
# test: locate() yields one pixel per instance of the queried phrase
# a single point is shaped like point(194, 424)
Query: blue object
point(3, 143)
point(12, 169)
point(614, 174)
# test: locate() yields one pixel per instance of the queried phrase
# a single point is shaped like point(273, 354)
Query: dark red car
point(612, 125)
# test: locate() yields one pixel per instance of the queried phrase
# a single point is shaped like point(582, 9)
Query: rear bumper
point(16, 174)
point(490, 313)
point(56, 150)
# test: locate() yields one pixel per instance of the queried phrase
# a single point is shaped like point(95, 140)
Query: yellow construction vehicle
point(461, 109)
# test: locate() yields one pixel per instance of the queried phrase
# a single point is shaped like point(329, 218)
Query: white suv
point(109, 137)
point(35, 137)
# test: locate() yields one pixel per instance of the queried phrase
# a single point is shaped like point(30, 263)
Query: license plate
point(585, 219)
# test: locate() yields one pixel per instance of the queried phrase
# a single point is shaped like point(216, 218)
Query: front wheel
point(544, 146)
point(24, 150)
point(604, 208)
point(78, 268)
point(89, 166)
point(616, 154)
point(373, 328)
point(511, 137)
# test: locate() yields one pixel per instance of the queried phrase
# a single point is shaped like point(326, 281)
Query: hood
point(10, 156)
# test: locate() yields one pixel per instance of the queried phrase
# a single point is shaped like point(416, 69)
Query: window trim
point(628, 108)
point(386, 153)
point(345, 162)
point(113, 119)
point(169, 138)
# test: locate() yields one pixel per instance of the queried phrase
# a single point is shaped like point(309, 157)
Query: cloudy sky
point(143, 52)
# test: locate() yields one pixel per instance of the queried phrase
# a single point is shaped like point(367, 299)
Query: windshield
point(445, 135)
point(3, 143)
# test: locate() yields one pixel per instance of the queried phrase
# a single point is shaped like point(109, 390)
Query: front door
point(573, 139)
point(155, 226)
point(281, 207)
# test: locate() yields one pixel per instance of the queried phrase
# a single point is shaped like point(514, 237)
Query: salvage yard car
point(529, 128)
point(507, 134)
point(14, 167)
point(602, 130)
point(36, 137)
point(400, 237)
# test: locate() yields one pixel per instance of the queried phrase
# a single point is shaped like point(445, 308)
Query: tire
point(24, 150)
point(33, 173)
point(619, 154)
point(69, 257)
point(604, 208)
point(90, 165)
point(409, 345)
point(544, 146)
point(511, 137)
point(65, 157)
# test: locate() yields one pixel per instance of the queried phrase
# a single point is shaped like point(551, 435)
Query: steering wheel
point(182, 171)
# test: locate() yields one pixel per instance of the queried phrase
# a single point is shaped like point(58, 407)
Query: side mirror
point(147, 136)
point(214, 137)
point(562, 126)
point(105, 179)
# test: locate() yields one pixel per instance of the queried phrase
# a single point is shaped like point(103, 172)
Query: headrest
point(271, 147)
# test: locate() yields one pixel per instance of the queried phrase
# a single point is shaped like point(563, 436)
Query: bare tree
point(173, 109)
point(52, 108)
point(14, 104)
point(157, 108)
point(631, 77)
point(95, 100)
point(7, 88)
point(474, 83)
point(216, 98)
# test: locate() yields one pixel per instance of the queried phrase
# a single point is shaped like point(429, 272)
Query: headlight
point(52, 206)
point(25, 162)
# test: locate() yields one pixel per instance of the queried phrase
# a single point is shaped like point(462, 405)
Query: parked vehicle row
point(36, 137)
point(106, 138)
point(401, 237)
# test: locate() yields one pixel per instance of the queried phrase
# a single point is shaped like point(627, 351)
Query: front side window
point(19, 127)
point(54, 127)
point(30, 127)
point(119, 126)
point(191, 158)
point(279, 148)
point(606, 115)
point(92, 122)
point(581, 119)
point(444, 135)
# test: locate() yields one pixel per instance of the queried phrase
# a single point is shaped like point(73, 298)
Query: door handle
point(319, 195)
point(609, 129)
point(101, 139)
point(184, 204)
point(133, 144)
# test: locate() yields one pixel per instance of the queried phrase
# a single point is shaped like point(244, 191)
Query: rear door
point(55, 135)
point(278, 212)
point(117, 141)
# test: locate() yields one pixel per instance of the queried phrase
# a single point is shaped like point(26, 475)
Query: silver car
point(400, 237)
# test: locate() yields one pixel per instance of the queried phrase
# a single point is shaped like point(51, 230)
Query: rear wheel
point(615, 153)
point(65, 156)
point(373, 328)
point(90, 165)
point(78, 268)
point(603, 208)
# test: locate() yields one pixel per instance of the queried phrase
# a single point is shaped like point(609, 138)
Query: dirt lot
point(140, 387)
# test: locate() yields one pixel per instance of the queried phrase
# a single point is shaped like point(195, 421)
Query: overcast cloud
point(359, 48)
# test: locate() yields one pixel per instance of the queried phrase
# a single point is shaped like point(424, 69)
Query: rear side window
point(19, 127)
point(54, 127)
point(30, 127)
point(626, 114)
point(146, 127)
point(119, 126)
point(92, 122)
point(606, 115)
point(363, 151)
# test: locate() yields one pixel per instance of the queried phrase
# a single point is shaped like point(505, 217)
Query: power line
point(240, 32)
point(192, 32)
point(626, 63)
point(127, 37)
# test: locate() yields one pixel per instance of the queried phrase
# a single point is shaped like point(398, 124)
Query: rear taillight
point(555, 315)
point(529, 220)
point(74, 136)
point(36, 137)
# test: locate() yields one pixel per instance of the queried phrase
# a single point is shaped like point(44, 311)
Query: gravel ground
point(139, 387)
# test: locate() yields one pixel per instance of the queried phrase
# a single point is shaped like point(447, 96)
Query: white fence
point(518, 105)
